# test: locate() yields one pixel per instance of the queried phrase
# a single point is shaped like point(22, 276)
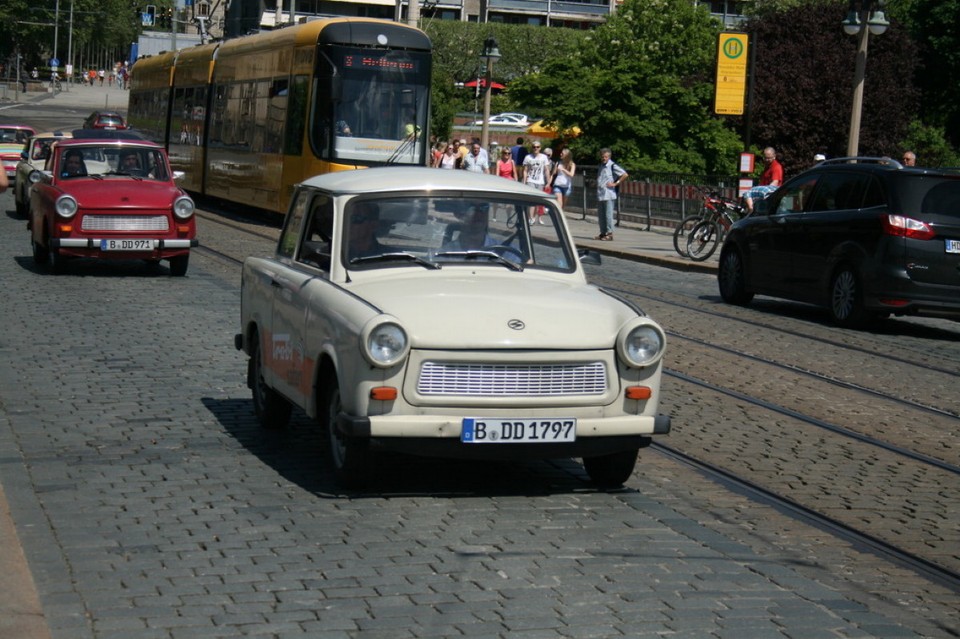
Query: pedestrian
point(475, 160)
point(4, 182)
point(909, 158)
point(506, 168)
point(563, 177)
point(773, 171)
point(100, 74)
point(450, 159)
point(518, 153)
point(609, 176)
point(536, 172)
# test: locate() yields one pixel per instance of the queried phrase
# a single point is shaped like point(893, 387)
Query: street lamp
point(853, 25)
point(491, 53)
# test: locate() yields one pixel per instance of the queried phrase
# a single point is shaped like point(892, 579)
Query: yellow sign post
point(731, 76)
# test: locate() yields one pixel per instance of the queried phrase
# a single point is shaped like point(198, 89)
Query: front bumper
point(436, 436)
point(94, 243)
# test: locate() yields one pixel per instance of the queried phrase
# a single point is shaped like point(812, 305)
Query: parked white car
point(518, 120)
point(417, 310)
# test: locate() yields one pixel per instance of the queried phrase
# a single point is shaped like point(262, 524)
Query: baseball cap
point(819, 157)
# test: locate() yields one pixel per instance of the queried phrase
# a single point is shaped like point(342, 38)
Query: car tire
point(846, 298)
point(611, 471)
point(41, 254)
point(56, 260)
point(349, 456)
point(732, 278)
point(272, 409)
point(21, 207)
point(178, 265)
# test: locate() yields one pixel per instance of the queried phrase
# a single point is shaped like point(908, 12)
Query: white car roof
point(407, 178)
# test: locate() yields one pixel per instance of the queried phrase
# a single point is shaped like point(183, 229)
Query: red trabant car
point(110, 195)
point(12, 139)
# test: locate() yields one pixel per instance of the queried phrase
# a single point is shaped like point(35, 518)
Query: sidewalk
point(632, 242)
point(107, 98)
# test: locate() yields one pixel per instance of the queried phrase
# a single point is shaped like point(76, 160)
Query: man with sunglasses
point(364, 223)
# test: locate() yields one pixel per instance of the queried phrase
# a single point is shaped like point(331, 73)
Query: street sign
point(731, 73)
point(54, 63)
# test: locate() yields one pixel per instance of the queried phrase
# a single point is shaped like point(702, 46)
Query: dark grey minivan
point(863, 237)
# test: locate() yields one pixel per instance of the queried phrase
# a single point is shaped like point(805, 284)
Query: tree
point(933, 25)
point(642, 85)
point(803, 84)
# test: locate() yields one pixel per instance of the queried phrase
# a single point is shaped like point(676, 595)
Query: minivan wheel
point(732, 279)
point(846, 298)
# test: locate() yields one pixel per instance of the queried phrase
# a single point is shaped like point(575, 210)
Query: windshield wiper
point(395, 257)
point(474, 255)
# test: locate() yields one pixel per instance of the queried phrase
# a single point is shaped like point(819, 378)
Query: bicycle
point(704, 238)
point(55, 83)
point(716, 210)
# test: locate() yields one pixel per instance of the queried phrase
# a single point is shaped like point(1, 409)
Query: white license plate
point(126, 245)
point(953, 246)
point(483, 430)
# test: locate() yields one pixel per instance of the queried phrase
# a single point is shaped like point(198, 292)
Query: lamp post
point(853, 25)
point(491, 53)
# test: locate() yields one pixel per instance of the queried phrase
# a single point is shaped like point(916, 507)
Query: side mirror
point(588, 256)
point(761, 207)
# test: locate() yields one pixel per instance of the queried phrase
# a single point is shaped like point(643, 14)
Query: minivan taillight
point(902, 226)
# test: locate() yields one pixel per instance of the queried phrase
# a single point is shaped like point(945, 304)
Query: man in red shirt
point(772, 170)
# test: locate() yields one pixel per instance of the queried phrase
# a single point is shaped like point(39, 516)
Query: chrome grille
point(125, 223)
point(512, 380)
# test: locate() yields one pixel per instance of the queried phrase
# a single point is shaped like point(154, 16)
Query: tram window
point(296, 116)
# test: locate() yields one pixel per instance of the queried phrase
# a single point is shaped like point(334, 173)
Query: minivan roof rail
point(864, 160)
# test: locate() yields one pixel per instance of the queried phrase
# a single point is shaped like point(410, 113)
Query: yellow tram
point(248, 118)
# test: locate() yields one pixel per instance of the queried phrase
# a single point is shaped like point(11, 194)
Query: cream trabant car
point(419, 310)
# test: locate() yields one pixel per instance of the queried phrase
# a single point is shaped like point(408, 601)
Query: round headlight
point(385, 343)
point(643, 344)
point(66, 206)
point(183, 207)
point(34, 177)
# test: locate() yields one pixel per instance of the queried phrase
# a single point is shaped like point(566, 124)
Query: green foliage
point(931, 146)
point(642, 85)
point(935, 26)
point(110, 24)
point(803, 84)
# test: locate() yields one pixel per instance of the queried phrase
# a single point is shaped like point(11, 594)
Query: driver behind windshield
point(364, 223)
point(472, 234)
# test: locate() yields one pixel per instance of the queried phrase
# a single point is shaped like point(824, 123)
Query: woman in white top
point(448, 159)
point(563, 177)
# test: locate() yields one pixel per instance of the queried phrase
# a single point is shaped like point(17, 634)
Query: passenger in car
point(472, 234)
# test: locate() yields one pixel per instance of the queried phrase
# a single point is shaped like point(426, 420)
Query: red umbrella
point(483, 84)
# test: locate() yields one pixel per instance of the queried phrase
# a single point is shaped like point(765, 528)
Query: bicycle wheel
point(682, 232)
point(702, 240)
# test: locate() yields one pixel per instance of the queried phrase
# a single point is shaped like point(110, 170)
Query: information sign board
point(731, 74)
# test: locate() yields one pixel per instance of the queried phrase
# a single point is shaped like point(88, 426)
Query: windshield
point(373, 109)
point(110, 160)
point(442, 230)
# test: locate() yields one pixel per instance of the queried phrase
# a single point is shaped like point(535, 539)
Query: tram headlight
point(642, 344)
point(183, 207)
